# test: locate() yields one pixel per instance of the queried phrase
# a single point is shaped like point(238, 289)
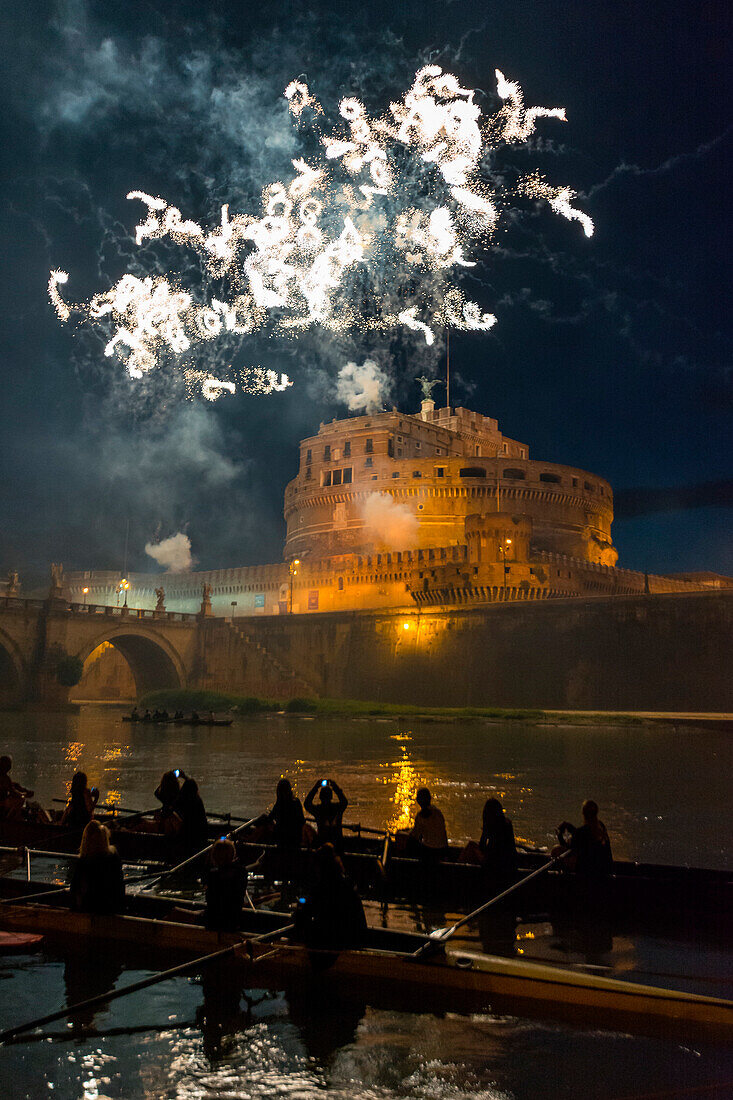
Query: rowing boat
point(385, 967)
point(179, 721)
point(637, 895)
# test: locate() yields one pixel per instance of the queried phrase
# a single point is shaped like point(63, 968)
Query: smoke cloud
point(174, 553)
point(390, 524)
point(363, 387)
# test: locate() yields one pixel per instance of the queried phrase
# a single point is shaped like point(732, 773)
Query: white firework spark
point(369, 233)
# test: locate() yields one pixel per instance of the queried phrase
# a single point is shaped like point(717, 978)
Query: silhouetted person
point(12, 794)
point(168, 792)
point(332, 915)
point(497, 844)
point(226, 886)
point(189, 808)
point(589, 844)
point(428, 836)
point(286, 818)
point(328, 814)
point(97, 884)
point(82, 801)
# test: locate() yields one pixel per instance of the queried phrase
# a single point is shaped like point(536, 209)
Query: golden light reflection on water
point(407, 780)
point(73, 751)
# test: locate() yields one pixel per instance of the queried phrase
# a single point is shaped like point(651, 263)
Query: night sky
point(610, 353)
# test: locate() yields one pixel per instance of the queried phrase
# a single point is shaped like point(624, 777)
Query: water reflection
point(407, 780)
point(88, 973)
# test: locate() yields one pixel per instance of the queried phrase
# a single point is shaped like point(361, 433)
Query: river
point(663, 793)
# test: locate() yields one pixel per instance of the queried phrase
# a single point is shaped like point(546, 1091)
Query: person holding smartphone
point(329, 813)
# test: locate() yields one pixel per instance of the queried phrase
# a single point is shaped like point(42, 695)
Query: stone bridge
point(164, 649)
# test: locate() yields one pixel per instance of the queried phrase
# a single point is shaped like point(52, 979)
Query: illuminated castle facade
point(395, 510)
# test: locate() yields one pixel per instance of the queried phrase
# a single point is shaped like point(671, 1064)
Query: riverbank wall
point(667, 652)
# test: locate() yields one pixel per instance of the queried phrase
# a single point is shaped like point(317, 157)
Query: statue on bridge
point(56, 591)
point(13, 584)
point(206, 601)
point(160, 605)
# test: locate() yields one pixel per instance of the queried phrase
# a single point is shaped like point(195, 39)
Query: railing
point(19, 603)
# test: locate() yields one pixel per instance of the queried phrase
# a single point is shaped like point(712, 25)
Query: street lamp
point(292, 569)
point(86, 593)
point(503, 547)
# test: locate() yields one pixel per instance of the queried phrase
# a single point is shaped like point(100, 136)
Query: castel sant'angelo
point(437, 509)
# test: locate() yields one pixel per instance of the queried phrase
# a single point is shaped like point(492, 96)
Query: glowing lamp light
point(85, 591)
point(405, 626)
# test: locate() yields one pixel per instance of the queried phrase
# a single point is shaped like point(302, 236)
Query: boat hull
point(384, 970)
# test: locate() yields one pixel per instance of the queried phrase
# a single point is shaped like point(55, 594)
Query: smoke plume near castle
point(389, 523)
point(174, 553)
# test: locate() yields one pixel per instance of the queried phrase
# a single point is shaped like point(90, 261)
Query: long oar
point(438, 937)
point(143, 813)
point(197, 855)
point(144, 983)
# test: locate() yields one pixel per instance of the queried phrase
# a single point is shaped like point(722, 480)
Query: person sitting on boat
point(286, 818)
point(189, 808)
point(497, 844)
point(12, 794)
point(147, 717)
point(589, 844)
point(428, 838)
point(82, 801)
point(164, 715)
point(97, 883)
point(178, 716)
point(135, 715)
point(328, 814)
point(331, 915)
point(226, 887)
point(168, 792)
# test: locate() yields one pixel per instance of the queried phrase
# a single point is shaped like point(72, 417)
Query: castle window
point(553, 478)
point(588, 487)
point(341, 584)
point(416, 473)
point(390, 447)
point(309, 456)
point(327, 453)
point(347, 475)
point(474, 471)
point(418, 444)
point(307, 473)
point(347, 449)
point(369, 446)
point(326, 478)
point(369, 462)
point(336, 477)
point(513, 474)
point(400, 439)
point(395, 474)
point(374, 477)
point(440, 471)
point(575, 483)
point(438, 451)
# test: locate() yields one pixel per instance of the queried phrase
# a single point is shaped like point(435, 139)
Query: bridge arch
point(154, 662)
point(12, 672)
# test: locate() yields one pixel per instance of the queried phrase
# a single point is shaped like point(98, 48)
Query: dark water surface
point(664, 794)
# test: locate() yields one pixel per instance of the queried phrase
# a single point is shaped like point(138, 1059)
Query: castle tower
point(438, 467)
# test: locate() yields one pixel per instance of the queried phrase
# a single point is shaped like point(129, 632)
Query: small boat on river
point(384, 968)
point(178, 721)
